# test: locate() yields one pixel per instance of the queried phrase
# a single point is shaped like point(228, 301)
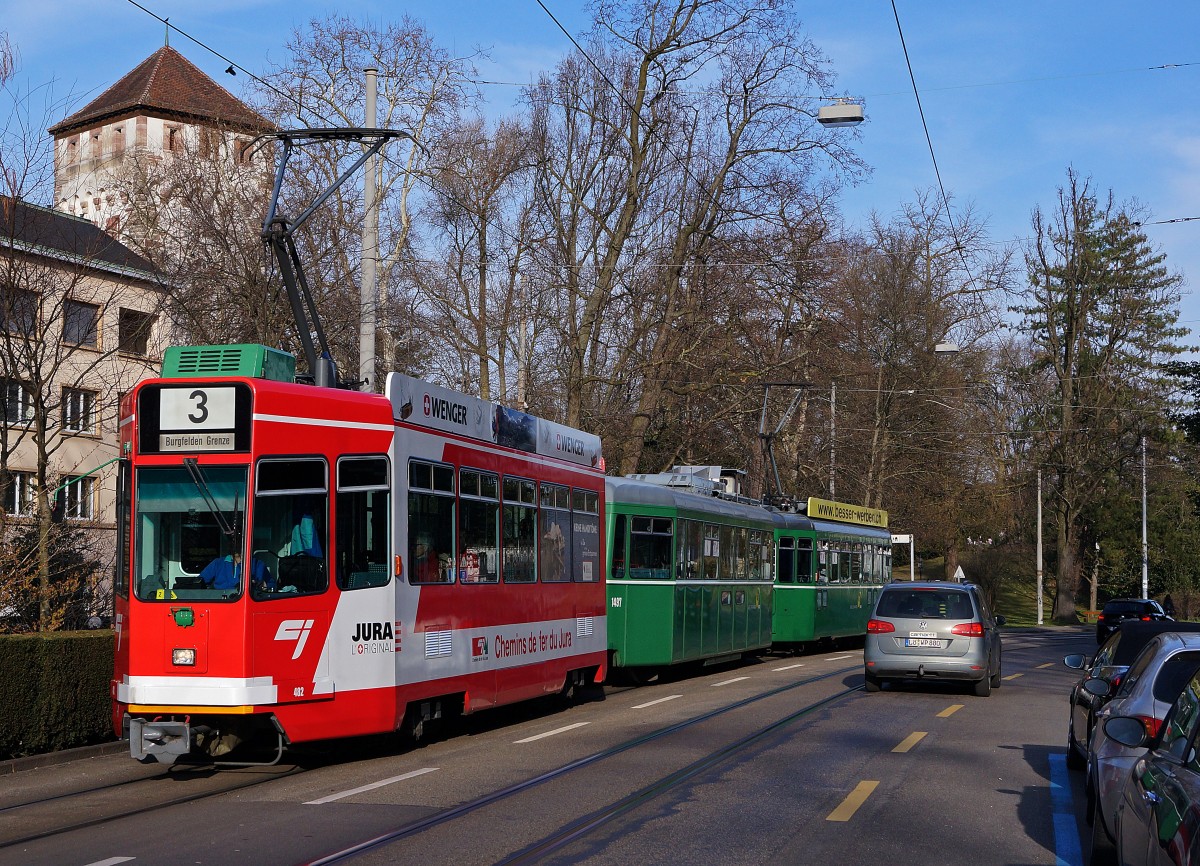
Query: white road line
point(111, 861)
point(787, 668)
point(838, 658)
point(552, 733)
point(727, 682)
point(371, 787)
point(652, 703)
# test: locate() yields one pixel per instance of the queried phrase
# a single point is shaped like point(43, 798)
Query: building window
point(21, 496)
point(79, 410)
point(134, 329)
point(78, 500)
point(16, 401)
point(81, 324)
point(174, 140)
point(19, 311)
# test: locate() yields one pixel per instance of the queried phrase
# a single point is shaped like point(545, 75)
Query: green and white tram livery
point(690, 576)
point(832, 562)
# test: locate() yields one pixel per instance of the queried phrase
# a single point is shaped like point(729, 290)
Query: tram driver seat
point(304, 572)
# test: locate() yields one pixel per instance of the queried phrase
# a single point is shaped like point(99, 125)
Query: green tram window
point(650, 547)
point(690, 550)
point(787, 560)
point(804, 560)
point(617, 557)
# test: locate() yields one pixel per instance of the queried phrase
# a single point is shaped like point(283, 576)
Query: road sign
point(901, 539)
point(960, 575)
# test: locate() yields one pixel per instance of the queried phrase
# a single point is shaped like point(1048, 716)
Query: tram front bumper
point(162, 741)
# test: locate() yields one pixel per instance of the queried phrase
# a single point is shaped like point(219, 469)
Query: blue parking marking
point(1067, 851)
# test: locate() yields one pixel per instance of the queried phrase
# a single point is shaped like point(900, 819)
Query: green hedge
point(54, 691)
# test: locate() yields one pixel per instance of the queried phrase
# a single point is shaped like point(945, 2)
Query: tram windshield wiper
point(197, 474)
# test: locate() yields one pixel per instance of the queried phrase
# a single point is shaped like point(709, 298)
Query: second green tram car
point(829, 572)
point(703, 578)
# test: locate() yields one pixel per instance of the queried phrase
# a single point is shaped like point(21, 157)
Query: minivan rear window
point(926, 604)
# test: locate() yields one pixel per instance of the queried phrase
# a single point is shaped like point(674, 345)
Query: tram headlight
point(183, 656)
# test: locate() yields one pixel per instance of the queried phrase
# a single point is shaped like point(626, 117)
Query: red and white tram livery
point(309, 563)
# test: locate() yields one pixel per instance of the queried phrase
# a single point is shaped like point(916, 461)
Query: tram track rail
point(79, 801)
point(591, 823)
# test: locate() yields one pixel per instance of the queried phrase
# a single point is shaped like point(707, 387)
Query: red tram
point(311, 563)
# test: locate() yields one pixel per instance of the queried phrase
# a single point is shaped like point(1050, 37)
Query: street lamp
point(844, 112)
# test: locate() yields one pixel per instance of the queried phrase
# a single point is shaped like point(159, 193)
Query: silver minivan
point(933, 631)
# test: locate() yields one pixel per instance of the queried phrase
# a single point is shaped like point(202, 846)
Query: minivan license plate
point(923, 641)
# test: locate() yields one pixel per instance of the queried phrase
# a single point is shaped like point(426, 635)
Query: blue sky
point(1013, 92)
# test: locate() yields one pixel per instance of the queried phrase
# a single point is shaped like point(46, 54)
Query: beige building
point(82, 315)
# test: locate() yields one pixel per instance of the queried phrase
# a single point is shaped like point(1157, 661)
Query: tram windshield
point(188, 535)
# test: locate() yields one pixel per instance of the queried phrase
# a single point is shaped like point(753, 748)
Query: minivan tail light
point(879, 626)
point(1145, 619)
point(968, 629)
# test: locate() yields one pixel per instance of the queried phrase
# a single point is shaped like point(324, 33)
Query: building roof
point(41, 231)
point(166, 84)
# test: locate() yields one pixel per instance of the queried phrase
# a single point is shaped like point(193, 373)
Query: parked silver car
point(933, 631)
point(1147, 691)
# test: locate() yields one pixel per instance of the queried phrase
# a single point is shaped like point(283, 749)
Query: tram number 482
point(298, 692)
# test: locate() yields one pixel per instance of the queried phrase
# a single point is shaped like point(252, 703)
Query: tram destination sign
point(194, 418)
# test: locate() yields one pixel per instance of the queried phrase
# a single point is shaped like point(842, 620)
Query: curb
point(66, 756)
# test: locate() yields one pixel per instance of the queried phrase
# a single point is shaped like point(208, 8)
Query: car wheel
point(996, 675)
point(983, 687)
point(872, 682)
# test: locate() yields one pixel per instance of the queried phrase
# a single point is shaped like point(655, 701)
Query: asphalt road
point(788, 763)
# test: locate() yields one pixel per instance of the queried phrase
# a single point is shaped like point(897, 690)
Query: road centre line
point(727, 682)
point(1012, 677)
point(910, 741)
point(853, 800)
point(551, 733)
point(838, 658)
point(950, 710)
point(787, 667)
point(111, 861)
point(1047, 665)
point(652, 703)
point(371, 787)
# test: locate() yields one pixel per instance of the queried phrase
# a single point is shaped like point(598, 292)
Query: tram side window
point(363, 522)
point(690, 550)
point(478, 527)
point(856, 562)
point(430, 523)
point(585, 535)
point(555, 542)
point(804, 560)
point(124, 502)
point(742, 557)
point(728, 555)
point(823, 563)
point(650, 547)
point(712, 551)
point(619, 539)
point(520, 530)
point(291, 503)
point(763, 556)
point(786, 559)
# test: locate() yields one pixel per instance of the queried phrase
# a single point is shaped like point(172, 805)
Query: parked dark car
point(1158, 816)
point(1110, 663)
point(1119, 610)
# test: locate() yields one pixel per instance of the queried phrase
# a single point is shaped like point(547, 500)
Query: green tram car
point(699, 574)
point(832, 561)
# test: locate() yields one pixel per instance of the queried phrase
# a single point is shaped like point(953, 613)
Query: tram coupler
point(162, 741)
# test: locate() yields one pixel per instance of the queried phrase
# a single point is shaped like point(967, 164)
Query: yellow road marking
point(850, 805)
point(910, 741)
point(1012, 677)
point(1046, 665)
point(950, 710)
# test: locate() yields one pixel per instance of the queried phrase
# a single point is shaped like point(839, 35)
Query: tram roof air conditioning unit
point(249, 360)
